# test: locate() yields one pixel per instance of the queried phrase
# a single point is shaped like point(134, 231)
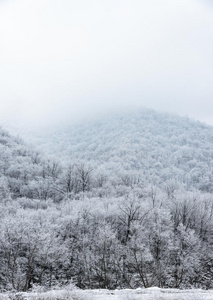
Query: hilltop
point(154, 146)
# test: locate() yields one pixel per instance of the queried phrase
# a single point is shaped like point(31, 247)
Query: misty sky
point(66, 59)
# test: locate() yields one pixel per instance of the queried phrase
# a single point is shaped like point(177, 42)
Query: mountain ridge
point(159, 146)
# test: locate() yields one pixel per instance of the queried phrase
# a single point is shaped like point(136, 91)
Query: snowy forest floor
point(138, 294)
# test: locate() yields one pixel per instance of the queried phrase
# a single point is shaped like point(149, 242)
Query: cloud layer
point(66, 59)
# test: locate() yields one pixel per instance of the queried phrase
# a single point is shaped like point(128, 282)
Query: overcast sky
point(65, 59)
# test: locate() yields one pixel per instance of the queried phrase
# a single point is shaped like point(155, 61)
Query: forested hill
point(97, 219)
point(155, 146)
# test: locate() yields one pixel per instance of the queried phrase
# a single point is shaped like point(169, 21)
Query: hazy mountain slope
point(155, 145)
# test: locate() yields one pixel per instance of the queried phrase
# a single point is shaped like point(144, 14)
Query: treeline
point(149, 237)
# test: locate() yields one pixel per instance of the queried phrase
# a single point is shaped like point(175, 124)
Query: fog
point(67, 60)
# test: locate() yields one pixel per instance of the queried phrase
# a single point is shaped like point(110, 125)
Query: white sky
point(65, 59)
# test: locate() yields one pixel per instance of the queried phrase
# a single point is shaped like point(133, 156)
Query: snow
point(153, 293)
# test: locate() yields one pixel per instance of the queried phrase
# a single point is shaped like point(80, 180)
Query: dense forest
point(123, 202)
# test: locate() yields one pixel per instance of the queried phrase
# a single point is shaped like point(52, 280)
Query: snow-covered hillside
point(154, 145)
point(111, 218)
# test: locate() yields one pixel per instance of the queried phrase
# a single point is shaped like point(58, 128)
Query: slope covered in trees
point(154, 146)
point(108, 218)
